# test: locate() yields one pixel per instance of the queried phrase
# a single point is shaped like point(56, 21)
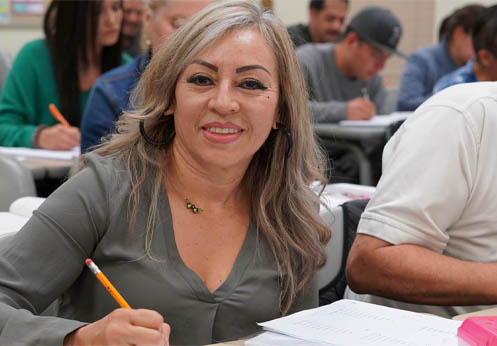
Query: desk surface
point(487, 312)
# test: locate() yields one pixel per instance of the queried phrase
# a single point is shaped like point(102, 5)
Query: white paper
point(349, 322)
point(276, 339)
point(378, 120)
point(41, 153)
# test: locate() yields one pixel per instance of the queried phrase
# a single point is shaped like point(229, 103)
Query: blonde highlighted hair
point(282, 205)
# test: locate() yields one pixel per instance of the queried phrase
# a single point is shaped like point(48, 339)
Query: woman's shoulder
point(35, 47)
point(33, 53)
point(110, 168)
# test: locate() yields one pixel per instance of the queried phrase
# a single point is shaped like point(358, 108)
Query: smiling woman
point(199, 207)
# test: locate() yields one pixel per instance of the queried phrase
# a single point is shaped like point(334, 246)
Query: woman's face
point(168, 18)
point(227, 101)
point(109, 23)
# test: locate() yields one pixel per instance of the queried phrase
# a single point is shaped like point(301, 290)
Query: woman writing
point(198, 209)
point(81, 41)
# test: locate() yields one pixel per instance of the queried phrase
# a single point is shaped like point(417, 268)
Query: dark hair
point(464, 17)
point(319, 4)
point(68, 26)
point(485, 31)
point(442, 29)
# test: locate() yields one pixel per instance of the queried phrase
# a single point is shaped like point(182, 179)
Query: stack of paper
point(379, 120)
point(348, 322)
point(41, 153)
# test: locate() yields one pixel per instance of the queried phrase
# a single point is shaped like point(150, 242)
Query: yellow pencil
point(103, 279)
point(58, 115)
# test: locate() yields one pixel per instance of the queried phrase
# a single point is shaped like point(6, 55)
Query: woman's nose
point(224, 100)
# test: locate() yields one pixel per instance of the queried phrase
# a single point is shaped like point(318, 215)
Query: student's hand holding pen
point(360, 109)
point(123, 327)
point(58, 137)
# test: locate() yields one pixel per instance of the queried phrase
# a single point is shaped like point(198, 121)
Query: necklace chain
point(192, 207)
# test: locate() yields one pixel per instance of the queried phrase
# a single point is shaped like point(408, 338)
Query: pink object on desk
point(479, 330)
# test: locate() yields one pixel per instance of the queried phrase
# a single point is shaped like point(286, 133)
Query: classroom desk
point(352, 135)
point(47, 168)
point(44, 164)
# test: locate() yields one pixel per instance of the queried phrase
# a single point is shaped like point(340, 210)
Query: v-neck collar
point(198, 287)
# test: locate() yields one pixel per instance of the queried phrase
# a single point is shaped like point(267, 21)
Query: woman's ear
point(484, 57)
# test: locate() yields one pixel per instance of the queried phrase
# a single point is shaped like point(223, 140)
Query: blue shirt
point(423, 69)
point(108, 98)
point(464, 74)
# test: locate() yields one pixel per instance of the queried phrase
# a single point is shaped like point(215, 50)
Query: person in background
point(199, 209)
point(343, 78)
point(326, 18)
point(5, 63)
point(484, 66)
point(132, 26)
point(81, 41)
point(111, 94)
point(427, 240)
point(427, 65)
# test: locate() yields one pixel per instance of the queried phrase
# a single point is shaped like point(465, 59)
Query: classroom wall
point(420, 20)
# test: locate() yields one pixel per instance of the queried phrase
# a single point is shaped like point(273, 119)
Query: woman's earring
point(168, 124)
point(288, 138)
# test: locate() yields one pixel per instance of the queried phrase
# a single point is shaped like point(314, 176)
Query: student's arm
point(47, 256)
point(17, 102)
point(429, 172)
point(412, 91)
point(415, 274)
point(99, 116)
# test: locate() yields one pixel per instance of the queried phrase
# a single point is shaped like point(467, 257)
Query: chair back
point(15, 181)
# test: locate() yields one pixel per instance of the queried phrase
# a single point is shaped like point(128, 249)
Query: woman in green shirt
point(81, 42)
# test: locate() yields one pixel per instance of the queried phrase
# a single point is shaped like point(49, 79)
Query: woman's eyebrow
point(206, 64)
point(238, 70)
point(251, 67)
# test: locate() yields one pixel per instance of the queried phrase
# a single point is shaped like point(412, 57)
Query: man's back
point(437, 189)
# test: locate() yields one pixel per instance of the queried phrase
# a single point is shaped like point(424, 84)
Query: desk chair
point(343, 221)
point(16, 181)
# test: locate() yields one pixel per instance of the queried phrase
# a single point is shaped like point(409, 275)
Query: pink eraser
point(479, 330)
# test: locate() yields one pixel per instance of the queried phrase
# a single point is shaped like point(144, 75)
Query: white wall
point(12, 39)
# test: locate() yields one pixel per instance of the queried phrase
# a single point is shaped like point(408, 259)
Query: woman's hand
point(123, 327)
point(59, 137)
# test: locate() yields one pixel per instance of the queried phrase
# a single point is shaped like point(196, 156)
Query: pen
point(57, 115)
point(364, 92)
point(103, 279)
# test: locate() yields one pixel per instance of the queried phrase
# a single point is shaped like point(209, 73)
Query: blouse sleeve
point(46, 257)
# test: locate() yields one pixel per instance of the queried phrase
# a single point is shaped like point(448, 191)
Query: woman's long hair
point(70, 28)
point(282, 205)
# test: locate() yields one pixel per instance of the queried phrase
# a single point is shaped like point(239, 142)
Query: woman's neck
point(89, 74)
point(207, 187)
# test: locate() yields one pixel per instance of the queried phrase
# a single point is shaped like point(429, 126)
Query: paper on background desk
point(378, 120)
point(41, 153)
point(349, 322)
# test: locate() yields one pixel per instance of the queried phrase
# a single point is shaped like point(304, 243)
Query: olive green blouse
point(87, 217)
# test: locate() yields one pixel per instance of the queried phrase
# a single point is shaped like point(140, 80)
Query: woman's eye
point(252, 85)
point(200, 80)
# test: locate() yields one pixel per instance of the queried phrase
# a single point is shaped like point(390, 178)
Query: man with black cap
point(343, 77)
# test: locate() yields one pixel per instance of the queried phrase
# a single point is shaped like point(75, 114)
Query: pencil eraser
point(479, 330)
point(88, 261)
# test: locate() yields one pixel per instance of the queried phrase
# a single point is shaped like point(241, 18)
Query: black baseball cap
point(379, 27)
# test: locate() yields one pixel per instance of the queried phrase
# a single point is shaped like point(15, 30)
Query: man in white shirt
point(427, 240)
